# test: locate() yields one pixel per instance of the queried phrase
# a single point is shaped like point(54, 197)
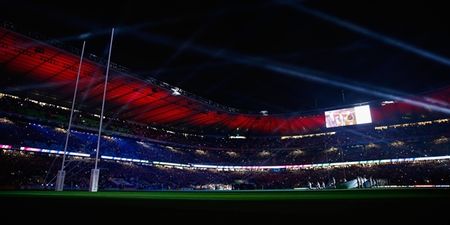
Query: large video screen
point(348, 116)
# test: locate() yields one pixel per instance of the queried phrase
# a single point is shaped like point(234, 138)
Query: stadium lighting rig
point(175, 91)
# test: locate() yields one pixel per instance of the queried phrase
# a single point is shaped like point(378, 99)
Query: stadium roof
point(157, 39)
point(242, 58)
point(150, 102)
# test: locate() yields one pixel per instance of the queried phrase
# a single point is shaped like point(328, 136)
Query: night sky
point(270, 30)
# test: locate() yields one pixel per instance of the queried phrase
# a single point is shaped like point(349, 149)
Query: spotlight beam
point(369, 33)
point(277, 67)
point(99, 32)
point(274, 66)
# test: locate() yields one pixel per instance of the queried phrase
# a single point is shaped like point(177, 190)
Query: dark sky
point(271, 30)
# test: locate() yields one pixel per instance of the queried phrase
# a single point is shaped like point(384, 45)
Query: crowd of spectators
point(53, 115)
point(342, 146)
point(401, 142)
point(34, 171)
point(25, 123)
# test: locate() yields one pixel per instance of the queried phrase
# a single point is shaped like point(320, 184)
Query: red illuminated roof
point(135, 99)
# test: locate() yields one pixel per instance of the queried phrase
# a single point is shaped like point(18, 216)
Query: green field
point(226, 207)
point(267, 195)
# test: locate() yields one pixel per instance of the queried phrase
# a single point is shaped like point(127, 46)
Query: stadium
point(263, 110)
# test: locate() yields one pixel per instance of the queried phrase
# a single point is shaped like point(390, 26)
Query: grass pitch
point(228, 207)
point(266, 195)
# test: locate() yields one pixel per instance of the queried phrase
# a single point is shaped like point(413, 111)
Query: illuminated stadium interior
point(301, 97)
